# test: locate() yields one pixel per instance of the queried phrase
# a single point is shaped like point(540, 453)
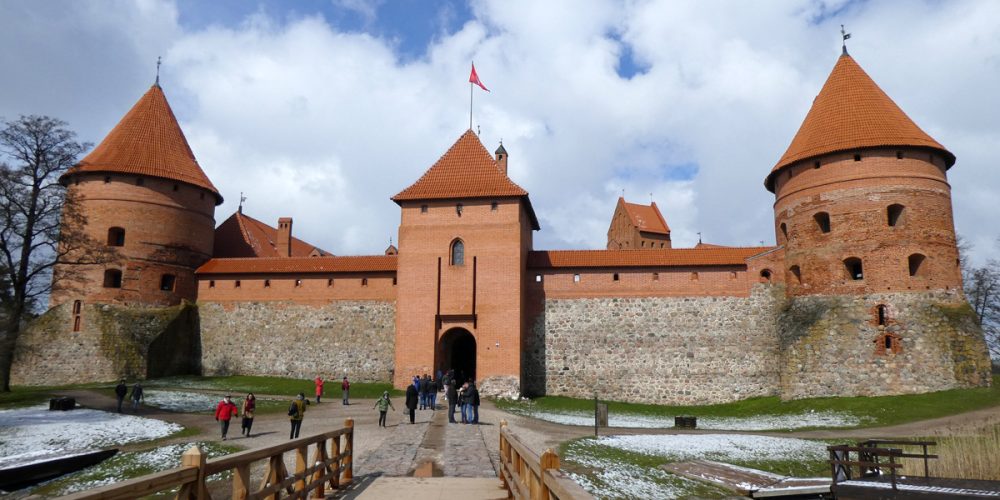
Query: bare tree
point(982, 289)
point(34, 152)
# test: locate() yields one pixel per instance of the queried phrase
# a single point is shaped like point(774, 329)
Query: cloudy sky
point(322, 110)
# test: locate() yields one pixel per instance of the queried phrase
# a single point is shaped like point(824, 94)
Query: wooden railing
point(331, 465)
point(527, 475)
point(882, 443)
point(867, 462)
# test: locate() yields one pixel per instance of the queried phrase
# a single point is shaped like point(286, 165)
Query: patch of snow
point(27, 434)
point(187, 402)
point(616, 480)
point(722, 447)
point(755, 423)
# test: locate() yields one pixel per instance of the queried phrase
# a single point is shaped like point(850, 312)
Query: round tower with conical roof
point(143, 200)
point(863, 211)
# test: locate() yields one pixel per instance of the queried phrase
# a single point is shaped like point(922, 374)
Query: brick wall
point(169, 229)
point(299, 288)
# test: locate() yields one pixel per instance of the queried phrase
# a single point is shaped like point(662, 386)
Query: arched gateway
point(457, 351)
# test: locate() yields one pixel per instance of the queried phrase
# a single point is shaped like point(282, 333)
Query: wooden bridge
point(524, 474)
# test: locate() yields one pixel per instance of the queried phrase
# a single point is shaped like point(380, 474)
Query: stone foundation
point(834, 346)
point(667, 350)
point(353, 338)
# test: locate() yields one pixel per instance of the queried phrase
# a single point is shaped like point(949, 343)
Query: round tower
point(863, 211)
point(146, 212)
point(862, 201)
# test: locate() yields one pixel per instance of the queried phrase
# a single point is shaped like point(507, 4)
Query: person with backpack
point(473, 397)
point(225, 411)
point(296, 412)
point(435, 386)
point(383, 404)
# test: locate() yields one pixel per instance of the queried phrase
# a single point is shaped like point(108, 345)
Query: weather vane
point(845, 36)
point(158, 60)
point(242, 199)
point(699, 237)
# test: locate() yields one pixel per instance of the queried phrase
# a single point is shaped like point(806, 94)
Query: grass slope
point(881, 410)
point(239, 385)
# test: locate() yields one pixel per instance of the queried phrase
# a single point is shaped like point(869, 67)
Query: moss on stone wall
point(966, 342)
point(799, 319)
point(149, 342)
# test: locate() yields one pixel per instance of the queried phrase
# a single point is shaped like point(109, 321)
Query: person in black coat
point(452, 395)
point(411, 401)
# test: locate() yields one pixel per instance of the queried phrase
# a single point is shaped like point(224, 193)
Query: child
point(383, 404)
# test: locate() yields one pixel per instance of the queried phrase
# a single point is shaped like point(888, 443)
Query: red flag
point(474, 78)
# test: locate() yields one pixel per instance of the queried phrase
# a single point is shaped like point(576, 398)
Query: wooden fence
point(331, 465)
point(526, 475)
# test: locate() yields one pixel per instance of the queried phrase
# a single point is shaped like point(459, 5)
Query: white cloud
point(325, 126)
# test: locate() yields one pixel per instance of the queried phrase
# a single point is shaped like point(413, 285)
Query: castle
point(861, 295)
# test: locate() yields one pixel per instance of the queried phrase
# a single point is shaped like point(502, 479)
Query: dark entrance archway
point(457, 351)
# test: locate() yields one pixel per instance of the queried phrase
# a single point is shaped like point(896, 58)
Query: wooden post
point(349, 452)
point(335, 455)
point(319, 457)
point(241, 481)
point(195, 458)
point(301, 458)
point(504, 457)
point(548, 460)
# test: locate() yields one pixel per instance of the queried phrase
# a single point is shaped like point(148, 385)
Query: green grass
point(881, 411)
point(239, 385)
point(20, 396)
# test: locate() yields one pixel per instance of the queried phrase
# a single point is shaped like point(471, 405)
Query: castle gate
point(457, 351)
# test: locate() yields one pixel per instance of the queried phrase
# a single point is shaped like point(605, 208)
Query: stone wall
point(112, 342)
point(290, 340)
point(835, 346)
point(665, 350)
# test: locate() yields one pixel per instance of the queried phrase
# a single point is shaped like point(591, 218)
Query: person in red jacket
point(225, 411)
point(345, 388)
point(319, 388)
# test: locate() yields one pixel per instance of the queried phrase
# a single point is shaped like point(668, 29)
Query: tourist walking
point(345, 389)
point(473, 396)
point(463, 401)
point(383, 404)
point(137, 396)
point(225, 410)
point(296, 412)
point(120, 391)
point(422, 390)
point(432, 393)
point(451, 394)
point(319, 388)
point(411, 401)
point(249, 407)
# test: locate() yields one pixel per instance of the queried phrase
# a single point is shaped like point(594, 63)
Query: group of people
point(121, 390)
point(466, 398)
point(423, 392)
point(345, 389)
point(226, 410)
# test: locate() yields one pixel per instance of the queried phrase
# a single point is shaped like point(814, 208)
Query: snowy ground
point(755, 423)
point(33, 433)
point(187, 402)
point(637, 474)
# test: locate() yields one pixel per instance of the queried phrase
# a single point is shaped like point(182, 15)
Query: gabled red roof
point(673, 257)
point(300, 265)
point(243, 236)
point(147, 141)
point(466, 170)
point(646, 218)
point(852, 112)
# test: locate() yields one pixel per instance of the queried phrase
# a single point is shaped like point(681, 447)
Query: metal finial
point(242, 199)
point(478, 130)
point(158, 61)
point(650, 198)
point(845, 35)
point(699, 237)
point(623, 192)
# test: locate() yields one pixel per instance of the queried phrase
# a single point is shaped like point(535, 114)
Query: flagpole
point(470, 105)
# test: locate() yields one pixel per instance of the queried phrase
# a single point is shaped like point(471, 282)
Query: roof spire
point(845, 35)
point(699, 237)
point(158, 60)
point(242, 199)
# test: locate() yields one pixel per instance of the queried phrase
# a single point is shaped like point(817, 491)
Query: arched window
point(112, 278)
point(796, 274)
point(167, 282)
point(823, 221)
point(916, 262)
point(116, 237)
point(881, 314)
point(888, 343)
point(457, 253)
point(784, 230)
point(765, 276)
point(854, 268)
point(77, 305)
point(894, 212)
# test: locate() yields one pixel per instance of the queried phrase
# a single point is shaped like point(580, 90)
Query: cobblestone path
point(395, 457)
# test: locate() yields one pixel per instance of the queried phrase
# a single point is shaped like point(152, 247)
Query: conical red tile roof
point(147, 141)
point(467, 170)
point(852, 112)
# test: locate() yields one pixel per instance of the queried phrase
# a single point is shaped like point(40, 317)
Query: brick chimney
point(502, 158)
point(284, 237)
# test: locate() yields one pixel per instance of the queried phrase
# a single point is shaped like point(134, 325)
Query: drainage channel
point(428, 457)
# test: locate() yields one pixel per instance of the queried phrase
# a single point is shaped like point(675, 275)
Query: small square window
point(298, 283)
point(576, 278)
point(656, 276)
point(816, 164)
point(107, 180)
point(329, 282)
point(538, 278)
point(615, 277)
point(211, 283)
point(857, 157)
point(393, 281)
point(732, 275)
point(364, 281)
point(494, 206)
point(267, 283)
point(899, 155)
point(237, 284)
point(694, 276)
point(423, 209)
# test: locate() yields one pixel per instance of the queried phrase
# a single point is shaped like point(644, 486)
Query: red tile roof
point(646, 218)
point(147, 141)
point(243, 236)
point(300, 265)
point(852, 112)
point(728, 256)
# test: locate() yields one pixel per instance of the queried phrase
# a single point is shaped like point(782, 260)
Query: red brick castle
point(861, 296)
